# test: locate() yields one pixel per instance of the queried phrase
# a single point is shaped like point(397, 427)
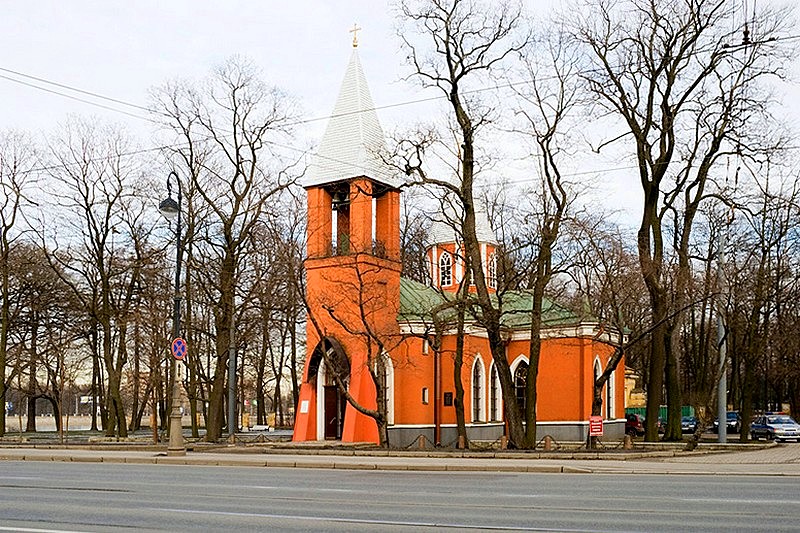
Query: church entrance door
point(335, 404)
point(331, 403)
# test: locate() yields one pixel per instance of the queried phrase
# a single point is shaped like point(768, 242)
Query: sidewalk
point(778, 460)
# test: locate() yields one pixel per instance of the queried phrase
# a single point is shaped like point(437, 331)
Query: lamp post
point(172, 210)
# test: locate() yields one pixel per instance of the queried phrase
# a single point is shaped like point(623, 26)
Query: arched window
point(598, 371)
point(445, 270)
point(477, 390)
point(491, 271)
point(610, 397)
point(520, 378)
point(494, 395)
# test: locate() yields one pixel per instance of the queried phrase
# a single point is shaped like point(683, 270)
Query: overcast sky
point(120, 49)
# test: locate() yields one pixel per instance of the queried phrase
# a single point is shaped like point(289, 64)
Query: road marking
point(363, 491)
point(268, 487)
point(748, 502)
point(34, 530)
point(378, 522)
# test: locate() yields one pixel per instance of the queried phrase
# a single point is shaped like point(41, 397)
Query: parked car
point(775, 427)
point(733, 422)
point(634, 425)
point(688, 424)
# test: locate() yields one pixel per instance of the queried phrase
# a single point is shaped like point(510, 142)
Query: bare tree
point(226, 129)
point(137, 254)
point(680, 86)
point(414, 227)
point(274, 263)
point(16, 160)
point(547, 103)
point(468, 41)
point(609, 288)
point(93, 180)
point(758, 267)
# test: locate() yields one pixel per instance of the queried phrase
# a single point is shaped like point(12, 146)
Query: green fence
point(686, 410)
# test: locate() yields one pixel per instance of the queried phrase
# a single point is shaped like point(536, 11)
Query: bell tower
point(352, 268)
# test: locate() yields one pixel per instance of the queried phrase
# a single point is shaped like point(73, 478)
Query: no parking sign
point(179, 349)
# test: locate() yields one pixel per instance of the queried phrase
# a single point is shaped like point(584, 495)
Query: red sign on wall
point(595, 426)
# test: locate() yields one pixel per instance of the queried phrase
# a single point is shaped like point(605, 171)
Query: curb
point(195, 460)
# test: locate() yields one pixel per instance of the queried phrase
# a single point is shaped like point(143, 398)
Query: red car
point(634, 425)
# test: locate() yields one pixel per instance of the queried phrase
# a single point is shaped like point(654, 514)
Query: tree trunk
point(224, 328)
point(650, 248)
point(673, 431)
point(5, 305)
point(135, 420)
point(276, 405)
point(139, 414)
point(56, 411)
point(30, 426)
point(95, 374)
point(534, 351)
point(117, 421)
point(749, 385)
point(794, 399)
point(216, 400)
point(293, 358)
point(192, 393)
point(261, 393)
point(655, 382)
point(540, 280)
point(458, 380)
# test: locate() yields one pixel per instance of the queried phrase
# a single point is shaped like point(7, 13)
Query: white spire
point(353, 138)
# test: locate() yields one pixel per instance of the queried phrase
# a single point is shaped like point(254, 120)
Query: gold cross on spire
point(355, 31)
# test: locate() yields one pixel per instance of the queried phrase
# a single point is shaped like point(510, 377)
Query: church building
point(362, 309)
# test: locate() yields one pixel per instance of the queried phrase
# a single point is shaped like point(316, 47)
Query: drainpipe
point(437, 388)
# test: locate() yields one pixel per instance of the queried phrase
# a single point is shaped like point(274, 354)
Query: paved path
point(782, 454)
point(779, 460)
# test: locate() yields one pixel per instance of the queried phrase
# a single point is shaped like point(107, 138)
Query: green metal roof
point(517, 308)
point(417, 301)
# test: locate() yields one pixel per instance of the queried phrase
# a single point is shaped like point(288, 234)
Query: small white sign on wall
point(304, 406)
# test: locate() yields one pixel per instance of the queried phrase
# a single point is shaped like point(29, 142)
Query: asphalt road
point(59, 497)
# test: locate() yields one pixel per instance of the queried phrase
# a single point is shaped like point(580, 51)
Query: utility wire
point(71, 97)
point(71, 88)
point(292, 123)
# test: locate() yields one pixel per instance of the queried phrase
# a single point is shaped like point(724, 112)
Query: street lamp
point(172, 210)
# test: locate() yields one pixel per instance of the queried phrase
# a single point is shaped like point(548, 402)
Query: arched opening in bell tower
point(329, 373)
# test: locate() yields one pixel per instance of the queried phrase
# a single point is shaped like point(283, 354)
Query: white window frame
point(491, 271)
point(481, 404)
point(519, 360)
point(389, 384)
point(610, 397)
point(495, 390)
point(445, 267)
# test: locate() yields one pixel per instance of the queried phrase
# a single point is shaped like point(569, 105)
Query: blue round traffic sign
point(179, 349)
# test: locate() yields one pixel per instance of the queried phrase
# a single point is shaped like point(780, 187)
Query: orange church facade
point(361, 309)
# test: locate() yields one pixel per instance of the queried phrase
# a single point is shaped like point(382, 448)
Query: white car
point(775, 427)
